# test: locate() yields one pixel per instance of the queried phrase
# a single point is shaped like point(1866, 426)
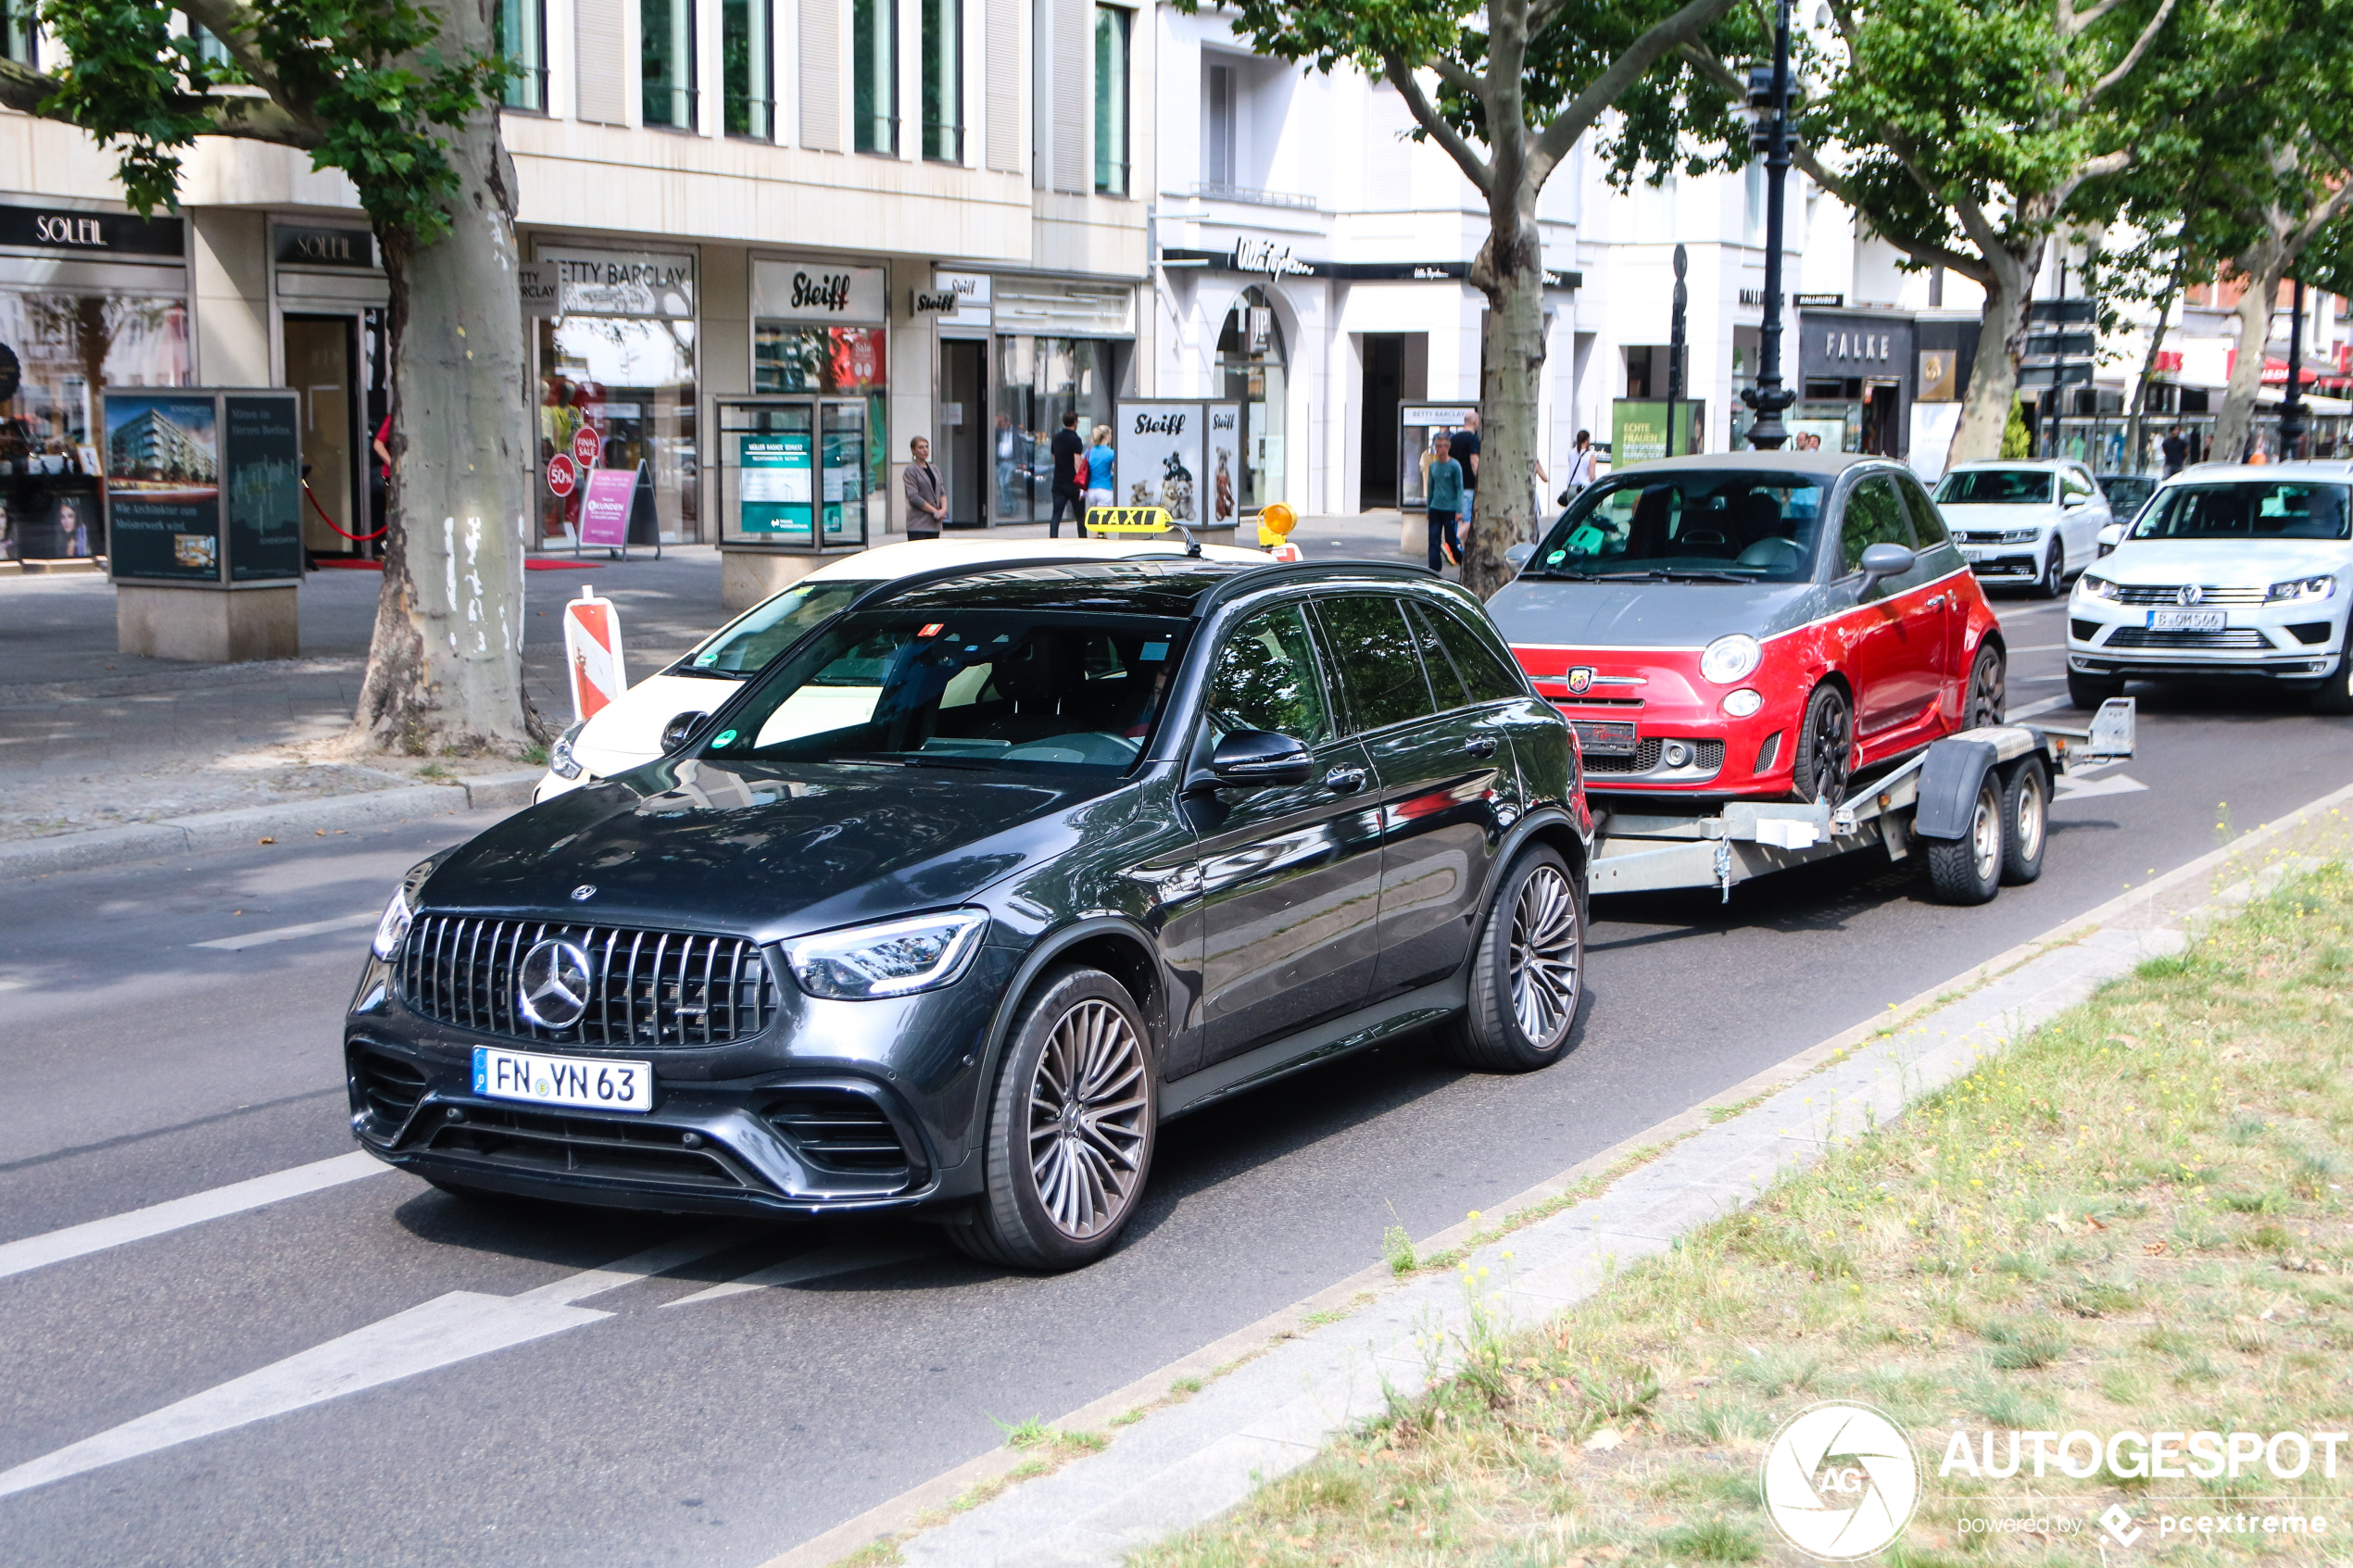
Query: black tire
point(1825, 757)
point(2333, 698)
point(2087, 692)
point(1061, 1172)
point(1528, 972)
point(1986, 697)
point(2026, 820)
point(1969, 870)
point(2053, 583)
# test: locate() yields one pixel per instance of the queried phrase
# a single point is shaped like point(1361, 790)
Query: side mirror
point(1519, 556)
point(1885, 560)
point(2075, 500)
point(1255, 759)
point(680, 729)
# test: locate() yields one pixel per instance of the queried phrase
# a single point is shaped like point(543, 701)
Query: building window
point(944, 80)
point(522, 38)
point(745, 50)
point(874, 66)
point(1217, 128)
point(20, 34)
point(1111, 99)
point(666, 56)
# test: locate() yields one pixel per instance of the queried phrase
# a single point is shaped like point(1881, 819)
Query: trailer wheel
point(2026, 819)
point(1968, 870)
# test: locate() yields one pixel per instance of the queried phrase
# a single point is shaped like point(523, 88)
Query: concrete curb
point(1305, 1380)
point(205, 831)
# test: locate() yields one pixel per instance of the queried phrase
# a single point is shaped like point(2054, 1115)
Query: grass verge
point(2136, 1218)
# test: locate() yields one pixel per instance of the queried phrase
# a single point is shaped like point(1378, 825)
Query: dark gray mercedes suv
point(979, 884)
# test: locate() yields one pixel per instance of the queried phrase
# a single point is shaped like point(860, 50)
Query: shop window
point(1253, 366)
point(873, 48)
point(632, 380)
point(1112, 28)
point(1037, 381)
point(70, 347)
point(666, 62)
point(851, 365)
point(747, 56)
point(944, 80)
point(522, 39)
point(20, 34)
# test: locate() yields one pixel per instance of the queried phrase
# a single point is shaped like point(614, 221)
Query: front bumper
point(2287, 642)
point(836, 1106)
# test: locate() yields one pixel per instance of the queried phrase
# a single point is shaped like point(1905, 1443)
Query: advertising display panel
point(1159, 452)
point(261, 473)
point(1222, 467)
point(202, 487)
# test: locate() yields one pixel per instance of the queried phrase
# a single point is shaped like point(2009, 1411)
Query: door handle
point(1936, 603)
point(1481, 745)
point(1344, 781)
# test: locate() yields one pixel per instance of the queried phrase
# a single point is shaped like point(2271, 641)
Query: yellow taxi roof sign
point(1128, 520)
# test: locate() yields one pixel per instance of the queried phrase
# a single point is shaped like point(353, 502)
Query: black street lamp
point(1768, 133)
point(2292, 422)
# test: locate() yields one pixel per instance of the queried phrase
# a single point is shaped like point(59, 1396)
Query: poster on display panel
point(1159, 457)
point(1222, 469)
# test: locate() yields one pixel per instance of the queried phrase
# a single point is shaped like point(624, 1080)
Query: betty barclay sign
point(607, 282)
point(819, 291)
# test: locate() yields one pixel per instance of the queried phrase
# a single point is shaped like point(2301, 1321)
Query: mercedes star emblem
point(585, 892)
point(553, 982)
point(2191, 595)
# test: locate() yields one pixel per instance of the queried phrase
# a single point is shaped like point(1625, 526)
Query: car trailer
point(1975, 805)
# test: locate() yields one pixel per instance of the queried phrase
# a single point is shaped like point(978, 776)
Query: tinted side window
point(1476, 661)
point(1378, 669)
point(1874, 516)
point(1266, 679)
point(1926, 525)
point(1444, 683)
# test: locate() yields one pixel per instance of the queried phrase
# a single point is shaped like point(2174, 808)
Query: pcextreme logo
point(1839, 1481)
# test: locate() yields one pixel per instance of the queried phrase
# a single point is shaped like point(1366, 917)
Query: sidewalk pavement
point(1303, 1378)
point(107, 757)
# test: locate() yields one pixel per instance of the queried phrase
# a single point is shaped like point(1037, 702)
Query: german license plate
point(1605, 737)
point(563, 1080)
point(2185, 621)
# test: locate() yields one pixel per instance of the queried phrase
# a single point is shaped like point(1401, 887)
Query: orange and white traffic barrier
point(592, 654)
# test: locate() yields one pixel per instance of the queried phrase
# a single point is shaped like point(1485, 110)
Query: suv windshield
point(2250, 508)
point(989, 689)
point(745, 645)
point(1708, 525)
point(1995, 487)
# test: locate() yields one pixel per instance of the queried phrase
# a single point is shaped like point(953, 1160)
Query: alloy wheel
point(1545, 951)
point(1833, 751)
point(1987, 694)
point(1088, 1114)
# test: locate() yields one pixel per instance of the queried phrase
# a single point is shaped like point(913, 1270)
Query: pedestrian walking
point(1464, 442)
point(2176, 449)
point(1447, 497)
point(926, 502)
point(1068, 455)
point(1580, 469)
point(1102, 471)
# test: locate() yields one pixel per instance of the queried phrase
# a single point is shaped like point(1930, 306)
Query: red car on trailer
point(1759, 652)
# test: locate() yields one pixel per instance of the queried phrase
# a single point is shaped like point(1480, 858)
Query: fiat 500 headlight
point(1729, 658)
point(894, 957)
point(2302, 588)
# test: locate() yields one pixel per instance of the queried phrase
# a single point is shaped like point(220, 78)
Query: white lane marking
point(96, 1236)
point(288, 932)
point(14, 984)
point(2040, 647)
point(2080, 789)
point(446, 1330)
point(808, 1266)
point(2041, 704)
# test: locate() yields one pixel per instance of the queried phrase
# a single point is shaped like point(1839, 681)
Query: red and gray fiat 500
point(1754, 626)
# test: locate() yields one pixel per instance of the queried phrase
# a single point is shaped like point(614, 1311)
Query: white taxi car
point(2229, 570)
point(628, 731)
point(2034, 524)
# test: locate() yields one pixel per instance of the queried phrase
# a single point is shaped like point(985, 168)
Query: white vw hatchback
point(2033, 523)
point(2228, 571)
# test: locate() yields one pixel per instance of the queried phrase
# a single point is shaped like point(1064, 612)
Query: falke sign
point(103, 234)
point(354, 248)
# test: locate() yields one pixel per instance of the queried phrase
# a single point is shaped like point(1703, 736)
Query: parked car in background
point(2032, 523)
point(628, 731)
point(2127, 494)
point(2229, 570)
point(955, 903)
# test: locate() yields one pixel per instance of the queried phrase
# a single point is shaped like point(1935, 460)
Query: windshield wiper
point(1670, 575)
point(973, 763)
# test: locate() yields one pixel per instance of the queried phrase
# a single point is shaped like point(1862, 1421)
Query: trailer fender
point(1950, 776)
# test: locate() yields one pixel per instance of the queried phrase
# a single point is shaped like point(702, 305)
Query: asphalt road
point(373, 1373)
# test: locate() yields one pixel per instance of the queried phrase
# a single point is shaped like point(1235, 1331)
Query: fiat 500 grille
point(647, 988)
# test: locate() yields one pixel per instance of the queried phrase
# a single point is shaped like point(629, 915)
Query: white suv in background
point(2036, 524)
point(2228, 570)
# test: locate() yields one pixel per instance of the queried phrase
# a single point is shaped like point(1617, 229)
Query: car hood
point(1987, 519)
point(771, 851)
point(1562, 612)
point(2224, 563)
point(628, 731)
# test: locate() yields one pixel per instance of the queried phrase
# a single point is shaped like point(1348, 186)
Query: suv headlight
point(2093, 587)
point(393, 929)
point(2302, 588)
point(2020, 535)
point(1729, 658)
point(560, 761)
point(894, 957)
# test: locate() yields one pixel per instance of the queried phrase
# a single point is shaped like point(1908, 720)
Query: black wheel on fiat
point(1825, 757)
point(1528, 972)
point(2026, 819)
point(1969, 870)
point(1987, 698)
point(1070, 1128)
